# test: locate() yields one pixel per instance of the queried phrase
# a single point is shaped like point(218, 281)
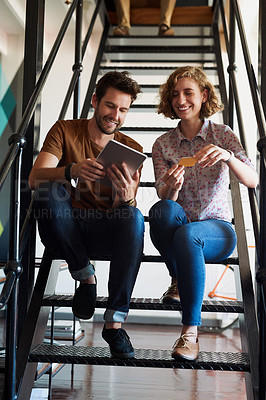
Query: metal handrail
point(77, 67)
point(258, 218)
point(20, 134)
point(232, 69)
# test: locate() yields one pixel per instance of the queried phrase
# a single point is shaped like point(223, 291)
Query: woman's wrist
point(230, 157)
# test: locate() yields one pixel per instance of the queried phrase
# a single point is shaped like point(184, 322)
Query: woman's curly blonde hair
point(210, 107)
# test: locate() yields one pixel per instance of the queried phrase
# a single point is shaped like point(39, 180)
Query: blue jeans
point(186, 247)
point(74, 234)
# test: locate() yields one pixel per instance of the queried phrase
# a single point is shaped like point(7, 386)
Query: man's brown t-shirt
point(70, 142)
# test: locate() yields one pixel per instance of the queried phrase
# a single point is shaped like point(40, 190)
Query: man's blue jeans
point(185, 248)
point(75, 234)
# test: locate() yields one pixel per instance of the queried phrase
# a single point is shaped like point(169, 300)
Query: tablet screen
point(116, 153)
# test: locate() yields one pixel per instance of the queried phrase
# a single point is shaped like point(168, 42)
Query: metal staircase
point(150, 59)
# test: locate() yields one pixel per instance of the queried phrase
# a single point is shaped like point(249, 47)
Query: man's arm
point(44, 170)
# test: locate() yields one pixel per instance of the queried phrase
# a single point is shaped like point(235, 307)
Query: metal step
point(144, 129)
point(149, 40)
point(232, 306)
point(152, 67)
point(147, 184)
point(218, 361)
point(159, 259)
point(156, 87)
point(156, 37)
point(143, 106)
point(160, 49)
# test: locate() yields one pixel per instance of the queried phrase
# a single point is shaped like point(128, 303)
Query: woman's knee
point(165, 213)
point(161, 209)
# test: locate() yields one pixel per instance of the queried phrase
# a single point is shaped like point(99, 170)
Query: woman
point(191, 224)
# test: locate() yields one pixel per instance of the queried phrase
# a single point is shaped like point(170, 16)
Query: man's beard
point(100, 123)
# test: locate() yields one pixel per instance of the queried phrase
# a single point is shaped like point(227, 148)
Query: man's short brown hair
point(120, 81)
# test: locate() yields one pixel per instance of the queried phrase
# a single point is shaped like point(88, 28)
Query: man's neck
point(96, 135)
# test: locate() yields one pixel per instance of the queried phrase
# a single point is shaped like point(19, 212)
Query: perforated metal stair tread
point(231, 306)
point(143, 358)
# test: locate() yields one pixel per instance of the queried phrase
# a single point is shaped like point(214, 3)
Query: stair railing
point(258, 213)
point(12, 163)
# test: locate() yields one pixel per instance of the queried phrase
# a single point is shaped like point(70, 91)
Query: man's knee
point(49, 199)
point(48, 195)
point(51, 191)
point(132, 216)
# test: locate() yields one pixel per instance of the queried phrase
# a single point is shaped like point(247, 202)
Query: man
point(78, 216)
point(123, 18)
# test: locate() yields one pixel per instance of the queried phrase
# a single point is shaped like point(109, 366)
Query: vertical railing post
point(78, 59)
point(13, 266)
point(232, 66)
point(33, 59)
point(262, 50)
point(261, 274)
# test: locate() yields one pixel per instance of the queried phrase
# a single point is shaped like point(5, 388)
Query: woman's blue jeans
point(75, 234)
point(186, 247)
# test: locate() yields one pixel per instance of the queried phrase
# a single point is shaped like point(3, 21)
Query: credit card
point(187, 161)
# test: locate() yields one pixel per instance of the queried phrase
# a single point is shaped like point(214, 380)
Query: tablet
point(116, 153)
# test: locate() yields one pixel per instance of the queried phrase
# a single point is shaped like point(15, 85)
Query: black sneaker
point(118, 340)
point(84, 301)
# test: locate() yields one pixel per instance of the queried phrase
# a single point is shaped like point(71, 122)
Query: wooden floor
point(131, 383)
point(200, 15)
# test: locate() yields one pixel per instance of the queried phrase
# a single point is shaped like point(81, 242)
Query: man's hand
point(124, 185)
point(88, 170)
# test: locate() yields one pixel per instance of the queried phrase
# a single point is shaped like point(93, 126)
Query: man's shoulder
point(72, 123)
point(128, 141)
point(70, 129)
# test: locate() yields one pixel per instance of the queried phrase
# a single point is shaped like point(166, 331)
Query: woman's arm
point(211, 154)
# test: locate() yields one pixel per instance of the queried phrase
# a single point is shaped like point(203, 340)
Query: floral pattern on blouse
point(204, 192)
